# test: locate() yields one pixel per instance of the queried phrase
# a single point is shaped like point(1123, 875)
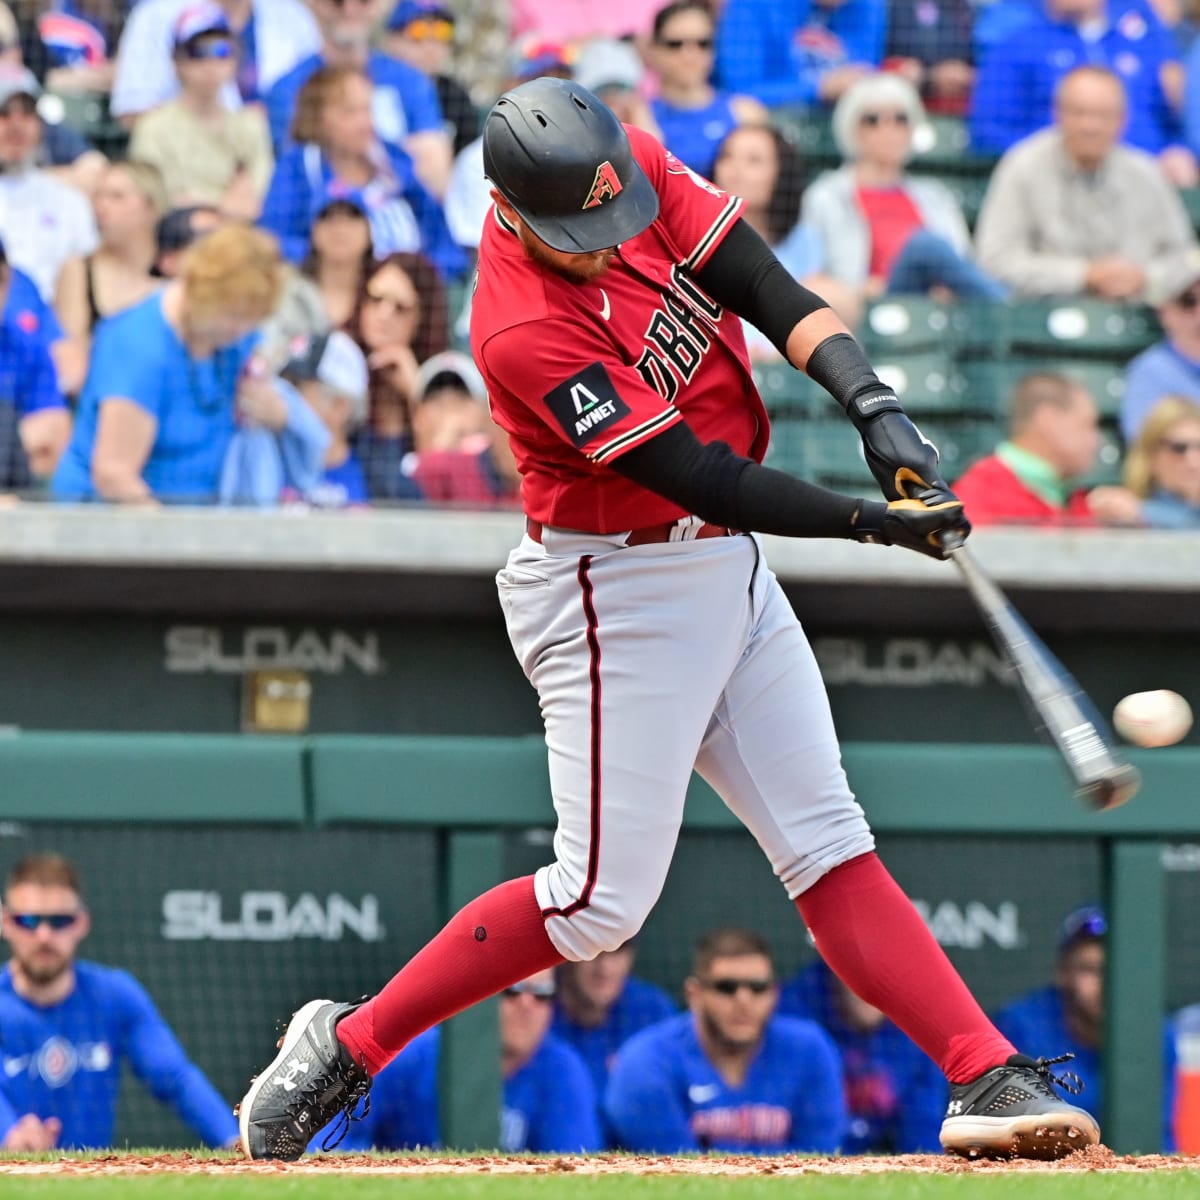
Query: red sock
point(494, 941)
point(874, 940)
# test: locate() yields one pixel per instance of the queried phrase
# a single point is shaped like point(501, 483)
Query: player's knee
point(595, 930)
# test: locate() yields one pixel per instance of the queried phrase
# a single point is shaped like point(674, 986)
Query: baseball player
point(67, 1028)
point(895, 1095)
point(729, 1074)
point(605, 324)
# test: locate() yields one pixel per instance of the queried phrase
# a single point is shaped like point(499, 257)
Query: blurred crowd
point(591, 1055)
point(237, 236)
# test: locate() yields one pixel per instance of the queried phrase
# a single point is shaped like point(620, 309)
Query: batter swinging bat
point(1060, 708)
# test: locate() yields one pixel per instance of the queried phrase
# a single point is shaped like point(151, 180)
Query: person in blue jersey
point(693, 116)
point(1017, 79)
point(798, 52)
point(548, 1106)
point(68, 1026)
point(895, 1093)
point(336, 149)
point(406, 110)
point(1070, 1012)
point(170, 379)
point(729, 1074)
point(601, 1005)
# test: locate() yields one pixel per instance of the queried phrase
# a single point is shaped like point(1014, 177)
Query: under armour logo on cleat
point(955, 1108)
point(295, 1068)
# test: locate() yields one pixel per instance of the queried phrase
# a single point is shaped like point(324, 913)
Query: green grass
point(1152, 1185)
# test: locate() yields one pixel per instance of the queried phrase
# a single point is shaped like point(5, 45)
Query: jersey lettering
point(676, 343)
point(586, 404)
point(680, 333)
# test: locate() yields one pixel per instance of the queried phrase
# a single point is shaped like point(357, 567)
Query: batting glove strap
point(902, 459)
point(918, 524)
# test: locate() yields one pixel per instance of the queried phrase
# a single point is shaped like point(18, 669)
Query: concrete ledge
point(465, 542)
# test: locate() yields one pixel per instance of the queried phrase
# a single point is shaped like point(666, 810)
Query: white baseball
point(1152, 718)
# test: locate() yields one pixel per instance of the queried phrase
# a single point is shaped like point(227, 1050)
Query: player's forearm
point(727, 489)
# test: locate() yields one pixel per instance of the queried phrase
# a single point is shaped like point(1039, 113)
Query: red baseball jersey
point(579, 373)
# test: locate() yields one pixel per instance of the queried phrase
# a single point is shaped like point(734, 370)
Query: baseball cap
point(197, 20)
point(337, 193)
point(408, 11)
point(18, 81)
point(1080, 925)
point(456, 365)
point(1177, 277)
point(534, 56)
point(334, 360)
point(608, 63)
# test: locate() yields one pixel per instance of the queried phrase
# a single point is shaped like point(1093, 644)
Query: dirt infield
point(1095, 1158)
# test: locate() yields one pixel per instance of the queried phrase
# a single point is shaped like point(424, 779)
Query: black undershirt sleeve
point(714, 483)
point(743, 275)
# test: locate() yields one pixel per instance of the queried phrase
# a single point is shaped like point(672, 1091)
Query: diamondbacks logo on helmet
point(605, 186)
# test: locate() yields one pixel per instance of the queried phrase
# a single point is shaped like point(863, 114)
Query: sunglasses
point(201, 49)
point(402, 308)
point(429, 29)
point(56, 921)
point(539, 991)
point(1180, 448)
point(25, 106)
point(1189, 301)
point(874, 119)
point(731, 987)
point(679, 43)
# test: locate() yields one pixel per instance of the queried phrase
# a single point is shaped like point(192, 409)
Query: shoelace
point(358, 1091)
point(1068, 1080)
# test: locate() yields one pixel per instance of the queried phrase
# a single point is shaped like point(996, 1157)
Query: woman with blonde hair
point(884, 230)
point(171, 376)
point(128, 202)
point(1162, 467)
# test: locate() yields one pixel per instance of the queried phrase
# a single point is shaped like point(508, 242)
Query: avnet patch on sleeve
point(586, 405)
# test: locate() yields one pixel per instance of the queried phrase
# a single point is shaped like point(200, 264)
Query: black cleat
point(312, 1081)
point(1013, 1111)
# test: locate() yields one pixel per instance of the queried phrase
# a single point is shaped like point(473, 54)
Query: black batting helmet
point(561, 158)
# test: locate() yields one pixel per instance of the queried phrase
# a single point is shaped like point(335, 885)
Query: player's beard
point(578, 268)
point(722, 1042)
point(41, 969)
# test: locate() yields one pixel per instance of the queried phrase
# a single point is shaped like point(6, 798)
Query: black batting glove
point(932, 522)
point(902, 459)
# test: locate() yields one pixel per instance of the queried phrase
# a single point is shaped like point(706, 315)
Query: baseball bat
point(1061, 710)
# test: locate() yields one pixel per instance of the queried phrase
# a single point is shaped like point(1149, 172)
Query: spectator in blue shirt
point(728, 1075)
point(1068, 1014)
point(168, 378)
point(35, 422)
point(601, 1005)
point(895, 1093)
point(1014, 90)
point(335, 147)
point(548, 1105)
point(1162, 467)
point(799, 52)
point(67, 1027)
point(1170, 367)
point(404, 105)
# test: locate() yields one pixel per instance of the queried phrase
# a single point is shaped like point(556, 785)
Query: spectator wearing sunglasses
point(549, 1105)
point(694, 116)
point(1070, 210)
point(272, 36)
point(884, 230)
point(1162, 467)
point(729, 1074)
point(70, 1026)
point(895, 1092)
point(421, 33)
point(207, 153)
point(1068, 1013)
point(1170, 367)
